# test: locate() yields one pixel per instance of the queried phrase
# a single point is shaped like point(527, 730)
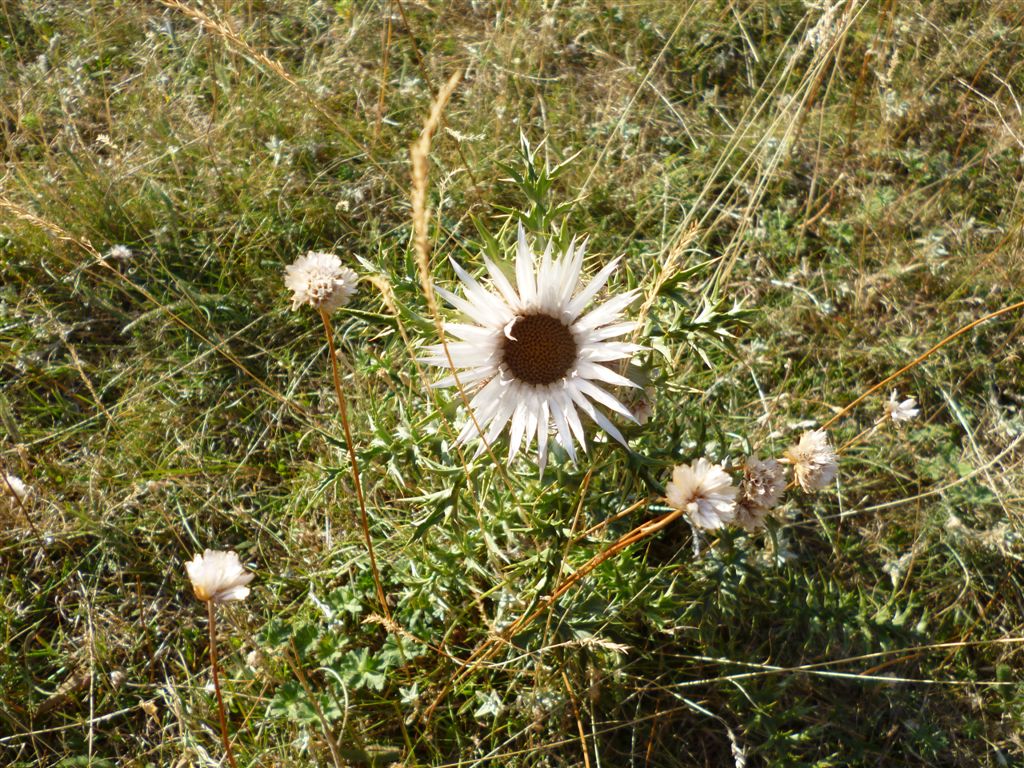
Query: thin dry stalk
point(629, 106)
point(343, 410)
point(75, 359)
point(672, 264)
point(239, 45)
point(608, 520)
point(127, 287)
point(61, 234)
point(386, 43)
point(862, 435)
point(920, 359)
point(395, 628)
point(571, 540)
point(430, 85)
point(296, 667)
point(639, 533)
point(216, 684)
point(579, 720)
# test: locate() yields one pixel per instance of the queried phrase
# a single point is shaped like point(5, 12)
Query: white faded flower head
point(760, 491)
point(218, 576)
point(901, 411)
point(750, 517)
point(955, 525)
point(255, 659)
point(896, 568)
point(763, 482)
point(320, 280)
point(705, 492)
point(13, 486)
point(814, 462)
point(120, 253)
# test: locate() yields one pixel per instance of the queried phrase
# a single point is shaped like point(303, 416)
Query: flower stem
point(216, 684)
point(343, 410)
point(863, 434)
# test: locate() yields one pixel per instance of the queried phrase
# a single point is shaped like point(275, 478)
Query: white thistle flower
point(705, 492)
point(320, 280)
point(760, 491)
point(533, 356)
point(120, 253)
point(218, 576)
point(901, 411)
point(814, 462)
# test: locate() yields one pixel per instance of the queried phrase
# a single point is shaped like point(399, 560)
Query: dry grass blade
point(420, 156)
point(235, 41)
point(490, 647)
point(920, 359)
point(126, 285)
point(579, 720)
point(386, 58)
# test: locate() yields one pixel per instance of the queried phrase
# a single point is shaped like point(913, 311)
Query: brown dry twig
point(354, 463)
point(490, 647)
point(920, 359)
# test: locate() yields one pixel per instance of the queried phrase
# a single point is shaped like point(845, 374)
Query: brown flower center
point(541, 350)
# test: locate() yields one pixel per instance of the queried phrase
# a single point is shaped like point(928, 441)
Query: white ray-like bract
point(528, 356)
